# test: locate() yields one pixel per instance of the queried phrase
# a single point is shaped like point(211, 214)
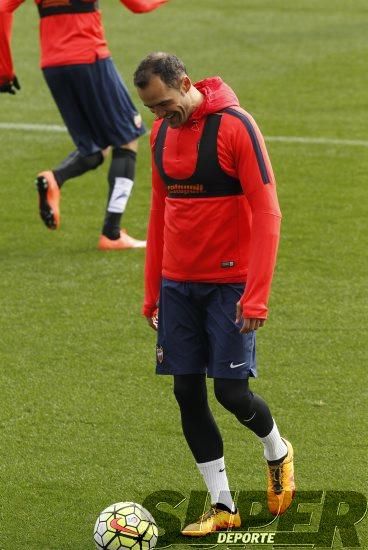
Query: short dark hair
point(167, 66)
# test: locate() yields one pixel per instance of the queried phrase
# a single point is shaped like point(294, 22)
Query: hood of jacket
point(217, 95)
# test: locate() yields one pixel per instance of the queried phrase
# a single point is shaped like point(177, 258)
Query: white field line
point(319, 140)
point(32, 127)
point(285, 139)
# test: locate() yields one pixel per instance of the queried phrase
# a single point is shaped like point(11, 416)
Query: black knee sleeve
point(75, 165)
point(249, 409)
point(191, 393)
point(234, 395)
point(122, 165)
point(199, 426)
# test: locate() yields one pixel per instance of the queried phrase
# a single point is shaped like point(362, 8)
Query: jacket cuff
point(148, 310)
point(255, 311)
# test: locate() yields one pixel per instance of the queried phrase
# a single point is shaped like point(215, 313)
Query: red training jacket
point(65, 39)
point(188, 239)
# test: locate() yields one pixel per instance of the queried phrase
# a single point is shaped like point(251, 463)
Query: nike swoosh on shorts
point(232, 366)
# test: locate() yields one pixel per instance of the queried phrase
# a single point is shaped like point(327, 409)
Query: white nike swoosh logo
point(232, 366)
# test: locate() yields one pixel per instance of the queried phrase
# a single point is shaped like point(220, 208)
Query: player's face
point(172, 104)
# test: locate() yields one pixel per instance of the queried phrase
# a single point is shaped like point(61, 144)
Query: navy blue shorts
point(95, 105)
point(197, 332)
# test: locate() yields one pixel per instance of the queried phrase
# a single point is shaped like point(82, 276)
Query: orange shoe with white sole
point(124, 242)
point(49, 199)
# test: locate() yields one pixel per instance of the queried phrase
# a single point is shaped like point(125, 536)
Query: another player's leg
point(49, 182)
point(121, 125)
point(205, 442)
point(253, 412)
point(121, 181)
point(71, 87)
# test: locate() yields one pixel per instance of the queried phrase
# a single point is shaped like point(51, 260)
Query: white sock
point(274, 447)
point(215, 478)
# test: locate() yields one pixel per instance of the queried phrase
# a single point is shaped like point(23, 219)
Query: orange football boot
point(124, 242)
point(281, 484)
point(215, 519)
point(49, 199)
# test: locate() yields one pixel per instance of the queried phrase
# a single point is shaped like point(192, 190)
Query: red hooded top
point(66, 39)
point(189, 238)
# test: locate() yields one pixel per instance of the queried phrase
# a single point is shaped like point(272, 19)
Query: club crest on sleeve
point(160, 353)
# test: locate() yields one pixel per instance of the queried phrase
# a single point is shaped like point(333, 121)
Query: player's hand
point(249, 324)
point(153, 320)
point(10, 86)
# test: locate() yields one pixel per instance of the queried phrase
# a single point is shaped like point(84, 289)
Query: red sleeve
point(142, 6)
point(253, 168)
point(155, 240)
point(6, 20)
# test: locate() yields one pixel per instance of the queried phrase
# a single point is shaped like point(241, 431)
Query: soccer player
point(93, 102)
point(211, 250)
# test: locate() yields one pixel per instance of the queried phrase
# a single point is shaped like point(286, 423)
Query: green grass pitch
point(83, 420)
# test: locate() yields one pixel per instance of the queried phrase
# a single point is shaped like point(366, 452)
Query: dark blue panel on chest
point(208, 178)
point(50, 7)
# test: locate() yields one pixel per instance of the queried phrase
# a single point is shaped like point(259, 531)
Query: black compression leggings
point(199, 426)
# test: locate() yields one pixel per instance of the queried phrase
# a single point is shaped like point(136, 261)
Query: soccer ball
point(125, 526)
